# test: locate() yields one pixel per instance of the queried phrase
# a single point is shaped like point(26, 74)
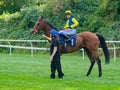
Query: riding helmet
point(54, 32)
point(68, 12)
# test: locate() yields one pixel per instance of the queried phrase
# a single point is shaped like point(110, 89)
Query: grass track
point(23, 72)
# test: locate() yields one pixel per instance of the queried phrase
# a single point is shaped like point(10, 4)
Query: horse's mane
point(51, 25)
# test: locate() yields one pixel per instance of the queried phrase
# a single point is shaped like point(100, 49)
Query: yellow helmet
point(68, 12)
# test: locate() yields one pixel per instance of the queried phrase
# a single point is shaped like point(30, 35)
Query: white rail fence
point(32, 48)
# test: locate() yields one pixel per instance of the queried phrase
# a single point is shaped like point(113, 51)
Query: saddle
point(69, 40)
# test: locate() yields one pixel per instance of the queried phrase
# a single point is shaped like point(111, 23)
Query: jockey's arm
point(66, 25)
point(75, 23)
point(47, 37)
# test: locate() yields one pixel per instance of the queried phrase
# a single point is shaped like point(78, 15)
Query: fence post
point(10, 47)
point(31, 48)
point(114, 52)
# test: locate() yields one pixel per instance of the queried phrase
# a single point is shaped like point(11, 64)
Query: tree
point(12, 6)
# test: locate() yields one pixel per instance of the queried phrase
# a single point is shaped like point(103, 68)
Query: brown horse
point(87, 40)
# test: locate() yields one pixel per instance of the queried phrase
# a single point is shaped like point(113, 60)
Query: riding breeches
point(68, 31)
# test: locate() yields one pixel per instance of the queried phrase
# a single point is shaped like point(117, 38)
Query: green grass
point(23, 72)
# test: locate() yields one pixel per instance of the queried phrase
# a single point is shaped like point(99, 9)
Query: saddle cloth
point(71, 42)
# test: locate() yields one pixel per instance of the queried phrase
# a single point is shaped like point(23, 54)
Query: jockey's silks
point(71, 22)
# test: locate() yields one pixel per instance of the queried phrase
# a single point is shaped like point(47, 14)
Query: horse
point(87, 40)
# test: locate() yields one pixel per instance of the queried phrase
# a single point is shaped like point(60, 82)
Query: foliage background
point(17, 17)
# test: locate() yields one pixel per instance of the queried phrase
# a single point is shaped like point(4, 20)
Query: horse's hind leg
point(96, 57)
point(92, 62)
point(99, 67)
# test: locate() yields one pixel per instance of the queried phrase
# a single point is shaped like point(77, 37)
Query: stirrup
point(66, 36)
point(68, 40)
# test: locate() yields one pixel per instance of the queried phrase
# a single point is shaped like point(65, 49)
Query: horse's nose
point(32, 32)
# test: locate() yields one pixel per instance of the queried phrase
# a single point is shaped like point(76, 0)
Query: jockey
point(71, 24)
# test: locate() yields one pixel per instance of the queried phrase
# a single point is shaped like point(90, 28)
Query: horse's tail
point(104, 48)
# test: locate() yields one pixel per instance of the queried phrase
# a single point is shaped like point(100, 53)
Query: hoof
point(100, 75)
point(87, 74)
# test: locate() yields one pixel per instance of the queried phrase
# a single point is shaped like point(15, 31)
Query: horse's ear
point(40, 18)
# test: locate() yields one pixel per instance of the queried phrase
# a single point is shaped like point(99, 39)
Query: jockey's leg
point(65, 33)
point(70, 32)
point(62, 32)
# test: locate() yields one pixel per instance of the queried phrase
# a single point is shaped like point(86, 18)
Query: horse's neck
point(47, 30)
